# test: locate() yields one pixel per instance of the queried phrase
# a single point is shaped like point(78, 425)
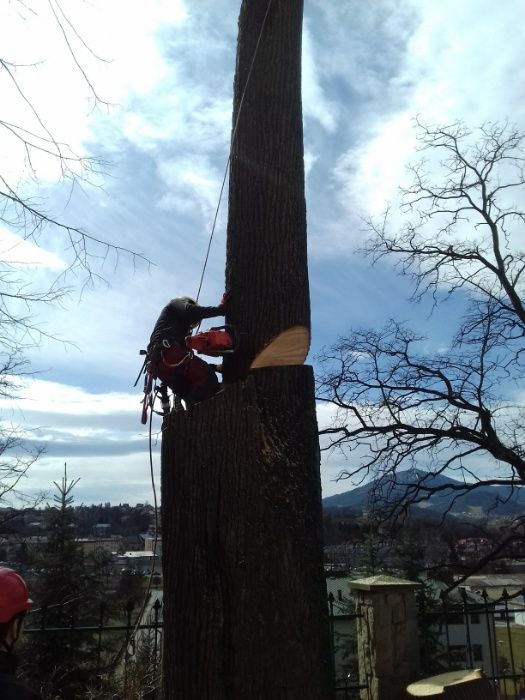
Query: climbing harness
point(216, 342)
point(206, 342)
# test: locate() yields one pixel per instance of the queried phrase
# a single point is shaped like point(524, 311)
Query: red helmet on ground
point(14, 596)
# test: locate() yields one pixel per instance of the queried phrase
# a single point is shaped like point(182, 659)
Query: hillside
point(496, 500)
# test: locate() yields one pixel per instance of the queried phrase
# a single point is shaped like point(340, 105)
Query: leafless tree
point(24, 210)
point(457, 410)
point(15, 459)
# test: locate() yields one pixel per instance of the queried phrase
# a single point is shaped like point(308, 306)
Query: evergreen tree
point(62, 584)
point(67, 593)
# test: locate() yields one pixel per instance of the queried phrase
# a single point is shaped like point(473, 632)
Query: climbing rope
point(155, 505)
point(232, 140)
point(130, 640)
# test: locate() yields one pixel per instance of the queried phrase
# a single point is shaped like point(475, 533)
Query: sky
point(149, 97)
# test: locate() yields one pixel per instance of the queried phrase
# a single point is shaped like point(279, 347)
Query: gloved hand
point(225, 298)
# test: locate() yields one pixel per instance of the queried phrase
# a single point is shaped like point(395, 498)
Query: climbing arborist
point(169, 358)
point(14, 604)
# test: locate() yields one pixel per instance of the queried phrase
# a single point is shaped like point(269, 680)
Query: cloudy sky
point(158, 118)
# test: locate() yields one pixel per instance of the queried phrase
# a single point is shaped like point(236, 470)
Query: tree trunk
point(266, 265)
point(245, 597)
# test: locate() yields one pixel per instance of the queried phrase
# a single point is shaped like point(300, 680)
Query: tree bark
point(244, 590)
point(245, 597)
point(266, 262)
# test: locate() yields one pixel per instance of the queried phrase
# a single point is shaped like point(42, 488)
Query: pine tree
point(62, 584)
point(67, 593)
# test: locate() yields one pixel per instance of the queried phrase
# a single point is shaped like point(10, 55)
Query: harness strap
point(176, 364)
point(167, 344)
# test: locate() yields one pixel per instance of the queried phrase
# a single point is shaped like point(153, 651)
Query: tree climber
point(169, 356)
point(14, 603)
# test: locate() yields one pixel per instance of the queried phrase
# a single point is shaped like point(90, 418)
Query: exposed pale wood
point(435, 686)
point(289, 348)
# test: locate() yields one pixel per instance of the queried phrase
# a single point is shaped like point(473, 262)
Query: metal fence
point(458, 630)
point(115, 638)
point(343, 643)
point(473, 630)
point(461, 631)
point(133, 627)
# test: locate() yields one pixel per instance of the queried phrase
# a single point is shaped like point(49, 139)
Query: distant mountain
point(496, 500)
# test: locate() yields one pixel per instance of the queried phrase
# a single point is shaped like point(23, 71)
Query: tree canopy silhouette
point(456, 408)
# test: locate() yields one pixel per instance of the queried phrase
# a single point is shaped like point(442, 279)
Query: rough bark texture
point(266, 268)
point(245, 597)
point(245, 602)
point(245, 614)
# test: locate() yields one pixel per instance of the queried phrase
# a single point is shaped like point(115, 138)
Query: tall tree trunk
point(266, 265)
point(245, 599)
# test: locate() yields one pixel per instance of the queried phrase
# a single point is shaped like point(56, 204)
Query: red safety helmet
point(14, 596)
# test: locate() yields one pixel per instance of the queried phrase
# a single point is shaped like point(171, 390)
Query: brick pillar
point(387, 636)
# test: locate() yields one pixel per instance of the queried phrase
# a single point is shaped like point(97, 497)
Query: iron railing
point(476, 631)
point(132, 628)
point(114, 637)
point(343, 649)
point(465, 631)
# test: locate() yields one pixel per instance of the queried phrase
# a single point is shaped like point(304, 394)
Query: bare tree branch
point(399, 407)
point(23, 212)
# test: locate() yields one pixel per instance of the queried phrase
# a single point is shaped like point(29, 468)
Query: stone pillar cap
point(382, 582)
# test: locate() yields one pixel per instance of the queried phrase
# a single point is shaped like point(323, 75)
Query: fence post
point(387, 636)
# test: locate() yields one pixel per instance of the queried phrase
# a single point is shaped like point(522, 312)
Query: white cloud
point(309, 161)
point(444, 76)
point(371, 172)
point(117, 479)
point(315, 103)
point(192, 184)
point(49, 398)
point(99, 435)
point(20, 252)
point(51, 98)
